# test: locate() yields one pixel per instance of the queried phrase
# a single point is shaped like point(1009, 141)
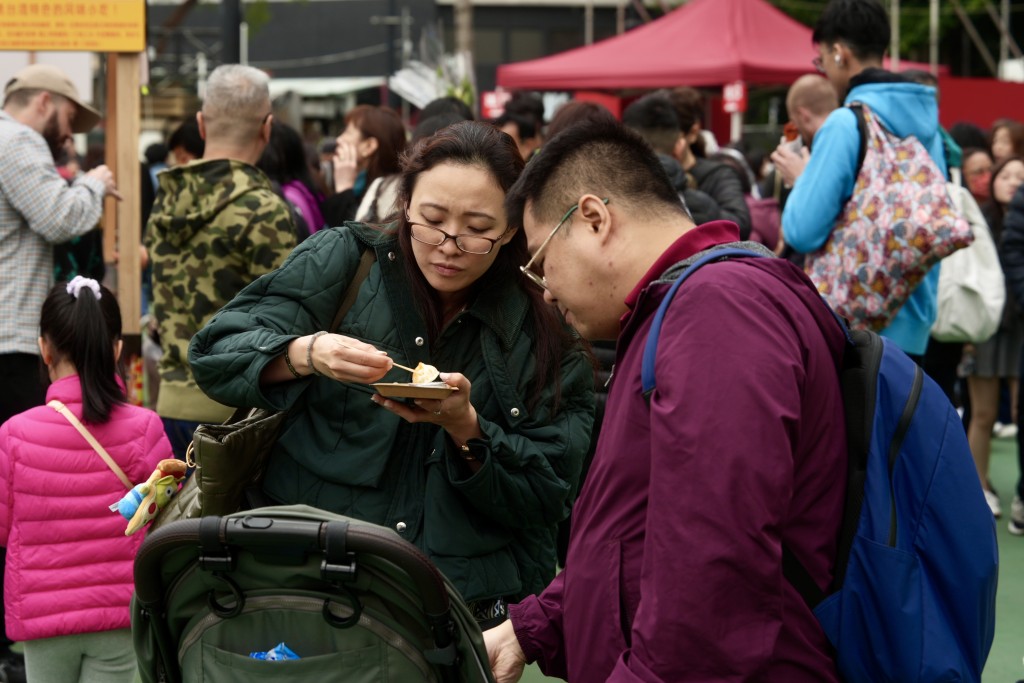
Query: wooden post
point(121, 235)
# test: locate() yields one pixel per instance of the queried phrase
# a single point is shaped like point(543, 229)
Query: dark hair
point(471, 143)
point(967, 135)
point(386, 127)
point(447, 105)
point(689, 106)
point(156, 153)
point(1016, 131)
point(526, 125)
point(655, 119)
point(862, 25)
point(578, 111)
point(430, 125)
point(995, 212)
point(187, 136)
point(528, 104)
point(284, 159)
point(83, 330)
point(608, 160)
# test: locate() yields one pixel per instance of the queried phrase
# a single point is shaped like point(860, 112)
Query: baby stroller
point(353, 600)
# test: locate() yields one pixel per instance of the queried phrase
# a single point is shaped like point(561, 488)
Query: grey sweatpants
point(104, 657)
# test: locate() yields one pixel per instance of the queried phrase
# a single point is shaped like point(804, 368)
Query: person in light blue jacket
point(851, 37)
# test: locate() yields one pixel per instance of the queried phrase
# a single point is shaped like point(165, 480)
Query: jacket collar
point(503, 309)
point(66, 390)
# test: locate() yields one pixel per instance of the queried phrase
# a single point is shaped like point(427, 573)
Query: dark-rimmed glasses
point(435, 237)
point(534, 277)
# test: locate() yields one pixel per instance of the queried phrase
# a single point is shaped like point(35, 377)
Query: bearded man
point(38, 209)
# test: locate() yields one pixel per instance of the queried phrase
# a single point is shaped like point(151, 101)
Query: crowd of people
point(525, 258)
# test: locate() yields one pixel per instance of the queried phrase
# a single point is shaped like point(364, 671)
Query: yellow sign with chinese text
point(86, 25)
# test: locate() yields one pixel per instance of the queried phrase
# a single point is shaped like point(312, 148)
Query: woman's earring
point(838, 60)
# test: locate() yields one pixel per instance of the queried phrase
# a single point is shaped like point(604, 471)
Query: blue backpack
point(913, 594)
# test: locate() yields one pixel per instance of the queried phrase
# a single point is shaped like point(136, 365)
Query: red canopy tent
point(703, 43)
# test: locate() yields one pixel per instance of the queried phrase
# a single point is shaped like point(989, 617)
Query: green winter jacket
point(491, 532)
point(215, 227)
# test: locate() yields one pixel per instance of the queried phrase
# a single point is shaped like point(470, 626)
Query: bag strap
point(70, 417)
point(362, 271)
point(865, 134)
point(647, 379)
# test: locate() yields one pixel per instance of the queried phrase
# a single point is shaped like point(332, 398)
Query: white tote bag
point(972, 291)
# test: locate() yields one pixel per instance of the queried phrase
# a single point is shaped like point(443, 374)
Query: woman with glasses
point(479, 479)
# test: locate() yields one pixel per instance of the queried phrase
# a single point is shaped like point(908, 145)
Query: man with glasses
point(851, 37)
point(215, 227)
point(674, 570)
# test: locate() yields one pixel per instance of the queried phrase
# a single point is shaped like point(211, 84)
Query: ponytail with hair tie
point(74, 287)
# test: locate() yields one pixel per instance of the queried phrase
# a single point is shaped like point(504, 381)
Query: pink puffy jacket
point(69, 564)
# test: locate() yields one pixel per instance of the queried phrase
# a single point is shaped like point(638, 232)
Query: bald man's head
point(809, 102)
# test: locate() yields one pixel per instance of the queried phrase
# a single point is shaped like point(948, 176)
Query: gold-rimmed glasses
point(534, 277)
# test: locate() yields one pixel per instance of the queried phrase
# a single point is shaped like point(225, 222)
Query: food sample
point(425, 373)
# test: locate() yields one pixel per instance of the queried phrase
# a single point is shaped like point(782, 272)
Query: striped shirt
point(37, 210)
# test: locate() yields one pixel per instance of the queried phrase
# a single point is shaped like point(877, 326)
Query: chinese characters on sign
point(86, 25)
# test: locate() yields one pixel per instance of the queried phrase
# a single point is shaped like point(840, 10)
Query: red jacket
point(674, 569)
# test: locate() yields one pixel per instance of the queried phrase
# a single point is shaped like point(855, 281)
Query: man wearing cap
point(38, 209)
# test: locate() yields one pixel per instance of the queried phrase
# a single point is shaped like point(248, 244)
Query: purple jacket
point(674, 570)
point(69, 564)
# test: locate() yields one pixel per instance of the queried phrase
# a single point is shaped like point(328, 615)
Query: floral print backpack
point(899, 222)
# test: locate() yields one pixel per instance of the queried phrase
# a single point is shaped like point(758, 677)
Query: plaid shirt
point(37, 210)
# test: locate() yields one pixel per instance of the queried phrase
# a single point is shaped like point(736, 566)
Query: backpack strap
point(647, 378)
point(70, 417)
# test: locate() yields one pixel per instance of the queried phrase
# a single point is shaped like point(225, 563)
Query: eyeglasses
point(819, 64)
point(435, 237)
point(539, 280)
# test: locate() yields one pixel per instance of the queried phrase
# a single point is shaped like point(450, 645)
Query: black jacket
point(701, 206)
point(1011, 247)
point(724, 186)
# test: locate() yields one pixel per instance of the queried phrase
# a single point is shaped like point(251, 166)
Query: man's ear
point(691, 135)
point(202, 125)
point(266, 128)
point(843, 52)
point(679, 149)
point(595, 216)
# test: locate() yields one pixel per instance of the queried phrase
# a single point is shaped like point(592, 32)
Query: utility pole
point(933, 36)
point(230, 28)
point(894, 45)
point(391, 20)
point(463, 26)
point(1004, 48)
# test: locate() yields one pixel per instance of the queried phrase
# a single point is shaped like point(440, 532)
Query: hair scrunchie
point(76, 285)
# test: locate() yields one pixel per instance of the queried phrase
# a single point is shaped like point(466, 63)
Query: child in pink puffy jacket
point(68, 579)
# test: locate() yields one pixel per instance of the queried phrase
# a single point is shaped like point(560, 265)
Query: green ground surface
point(1005, 661)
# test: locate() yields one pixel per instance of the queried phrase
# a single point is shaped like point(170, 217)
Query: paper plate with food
point(424, 384)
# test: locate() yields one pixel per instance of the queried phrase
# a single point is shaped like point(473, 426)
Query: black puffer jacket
point(701, 206)
point(1011, 248)
point(724, 186)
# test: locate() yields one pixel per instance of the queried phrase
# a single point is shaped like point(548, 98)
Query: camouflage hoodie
point(215, 227)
